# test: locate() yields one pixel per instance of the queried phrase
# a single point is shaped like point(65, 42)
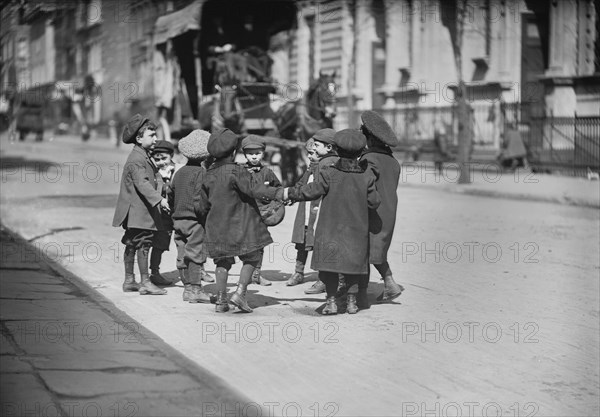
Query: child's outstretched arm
point(312, 191)
point(244, 183)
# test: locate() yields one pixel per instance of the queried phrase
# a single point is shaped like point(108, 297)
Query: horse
point(299, 120)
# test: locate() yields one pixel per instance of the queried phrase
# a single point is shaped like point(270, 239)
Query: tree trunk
point(465, 133)
point(351, 66)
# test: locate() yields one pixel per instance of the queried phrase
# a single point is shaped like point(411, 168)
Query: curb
point(221, 389)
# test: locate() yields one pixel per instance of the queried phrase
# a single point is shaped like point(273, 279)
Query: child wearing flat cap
point(341, 245)
point(188, 217)
point(234, 226)
point(161, 157)
point(140, 204)
point(324, 151)
point(381, 161)
point(254, 149)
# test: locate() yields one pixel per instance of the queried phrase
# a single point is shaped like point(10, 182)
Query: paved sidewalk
point(65, 350)
point(487, 180)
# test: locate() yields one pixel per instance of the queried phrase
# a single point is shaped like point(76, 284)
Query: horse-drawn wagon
point(213, 69)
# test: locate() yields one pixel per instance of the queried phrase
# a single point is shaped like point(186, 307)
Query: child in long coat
point(188, 218)
point(342, 233)
point(303, 232)
point(254, 147)
point(380, 137)
point(234, 226)
point(140, 204)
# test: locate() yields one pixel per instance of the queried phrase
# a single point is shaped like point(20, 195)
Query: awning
point(179, 22)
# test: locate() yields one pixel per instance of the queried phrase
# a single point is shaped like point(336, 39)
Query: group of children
point(222, 210)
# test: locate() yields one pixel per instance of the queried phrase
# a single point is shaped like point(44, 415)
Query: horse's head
point(322, 96)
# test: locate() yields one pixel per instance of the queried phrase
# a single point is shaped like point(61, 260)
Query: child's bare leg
point(391, 289)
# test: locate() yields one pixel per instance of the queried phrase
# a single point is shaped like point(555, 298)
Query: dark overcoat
point(140, 193)
point(382, 220)
point(233, 223)
point(342, 232)
point(298, 233)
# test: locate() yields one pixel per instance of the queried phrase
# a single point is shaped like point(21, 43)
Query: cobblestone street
point(499, 317)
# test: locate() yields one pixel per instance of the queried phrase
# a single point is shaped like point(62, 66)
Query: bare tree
point(454, 15)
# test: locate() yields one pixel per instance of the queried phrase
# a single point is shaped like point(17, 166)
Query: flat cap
point(132, 127)
point(253, 142)
point(164, 146)
point(222, 143)
point(378, 127)
point(194, 145)
point(350, 140)
point(325, 136)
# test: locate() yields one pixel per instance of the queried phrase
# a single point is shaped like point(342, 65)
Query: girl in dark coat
point(342, 233)
point(233, 223)
point(386, 169)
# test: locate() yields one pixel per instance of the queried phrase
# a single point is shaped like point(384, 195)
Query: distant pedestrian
point(188, 216)
point(140, 204)
point(254, 149)
point(379, 156)
point(341, 245)
point(324, 156)
point(234, 226)
point(162, 155)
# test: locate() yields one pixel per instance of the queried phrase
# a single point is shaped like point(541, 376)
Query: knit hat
point(164, 146)
point(222, 143)
point(350, 141)
point(194, 145)
point(324, 136)
point(132, 127)
point(378, 127)
point(253, 142)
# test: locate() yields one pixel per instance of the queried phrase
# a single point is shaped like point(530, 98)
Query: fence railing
point(568, 144)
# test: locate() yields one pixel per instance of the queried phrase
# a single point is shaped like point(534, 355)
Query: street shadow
point(19, 167)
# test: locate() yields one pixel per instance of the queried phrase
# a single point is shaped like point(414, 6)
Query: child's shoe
point(148, 288)
point(295, 279)
point(391, 289)
point(258, 279)
point(330, 307)
point(205, 276)
point(222, 306)
point(317, 288)
point(238, 299)
point(351, 307)
point(129, 285)
point(198, 296)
